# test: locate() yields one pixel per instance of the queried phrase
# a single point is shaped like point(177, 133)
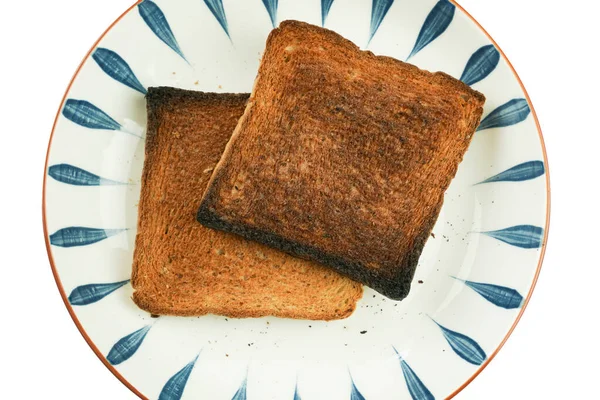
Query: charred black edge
point(396, 287)
point(164, 95)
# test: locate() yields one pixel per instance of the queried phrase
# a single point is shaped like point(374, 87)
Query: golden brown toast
point(342, 157)
point(183, 268)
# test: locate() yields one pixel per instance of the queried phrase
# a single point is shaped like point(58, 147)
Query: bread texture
point(183, 268)
point(342, 157)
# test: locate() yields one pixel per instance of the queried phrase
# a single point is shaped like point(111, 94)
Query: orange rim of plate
point(137, 392)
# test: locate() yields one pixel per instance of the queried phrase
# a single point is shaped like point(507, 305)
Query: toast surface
point(183, 268)
point(342, 157)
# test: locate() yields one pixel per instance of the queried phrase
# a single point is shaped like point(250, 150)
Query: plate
point(476, 274)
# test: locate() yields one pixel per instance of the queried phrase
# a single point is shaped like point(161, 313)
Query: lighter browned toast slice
point(342, 157)
point(183, 268)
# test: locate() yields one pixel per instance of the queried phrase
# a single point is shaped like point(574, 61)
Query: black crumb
point(154, 316)
point(310, 326)
point(420, 281)
point(433, 235)
point(226, 355)
point(250, 344)
point(226, 319)
point(363, 332)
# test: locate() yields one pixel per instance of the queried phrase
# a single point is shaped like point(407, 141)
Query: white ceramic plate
point(474, 277)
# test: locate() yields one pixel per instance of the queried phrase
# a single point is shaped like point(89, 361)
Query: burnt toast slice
point(183, 268)
point(342, 157)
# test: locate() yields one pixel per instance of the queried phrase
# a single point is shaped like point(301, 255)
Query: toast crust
point(342, 157)
point(183, 268)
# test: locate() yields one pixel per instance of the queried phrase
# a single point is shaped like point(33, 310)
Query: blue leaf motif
point(325, 7)
point(216, 8)
point(464, 346)
point(173, 389)
point(416, 388)
point(524, 236)
point(271, 6)
point(355, 393)
point(72, 175)
point(436, 23)
point(482, 63)
point(296, 393)
point(157, 22)
point(88, 115)
point(511, 113)
point(378, 12)
point(126, 347)
point(522, 172)
point(88, 294)
point(241, 392)
point(79, 236)
point(498, 295)
point(117, 68)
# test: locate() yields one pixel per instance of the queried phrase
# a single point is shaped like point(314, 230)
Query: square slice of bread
point(183, 268)
point(342, 157)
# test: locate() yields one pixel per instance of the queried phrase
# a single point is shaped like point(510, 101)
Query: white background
point(552, 354)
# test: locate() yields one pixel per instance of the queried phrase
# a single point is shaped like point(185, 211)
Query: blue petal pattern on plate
point(464, 346)
point(522, 172)
point(482, 63)
point(416, 388)
point(436, 23)
point(296, 393)
point(511, 113)
point(378, 12)
point(241, 392)
point(117, 68)
point(157, 22)
point(271, 6)
point(88, 294)
point(325, 7)
point(173, 389)
point(355, 393)
point(72, 175)
point(498, 295)
point(216, 8)
point(127, 346)
point(88, 115)
point(79, 236)
point(524, 236)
